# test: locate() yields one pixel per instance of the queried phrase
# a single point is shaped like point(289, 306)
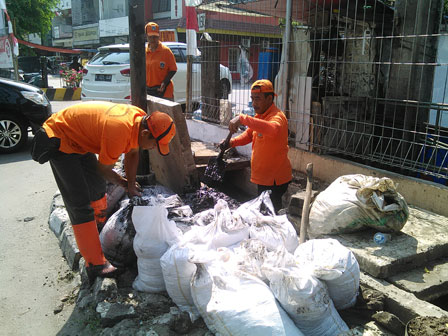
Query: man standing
point(70, 139)
point(75, 65)
point(268, 132)
point(160, 65)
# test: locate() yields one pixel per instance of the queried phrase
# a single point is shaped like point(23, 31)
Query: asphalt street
point(33, 273)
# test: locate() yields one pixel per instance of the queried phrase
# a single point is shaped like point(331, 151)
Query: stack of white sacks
point(244, 272)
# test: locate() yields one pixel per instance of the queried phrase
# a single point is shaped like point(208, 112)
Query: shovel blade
point(214, 172)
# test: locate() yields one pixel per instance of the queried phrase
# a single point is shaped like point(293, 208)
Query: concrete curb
point(403, 304)
point(63, 94)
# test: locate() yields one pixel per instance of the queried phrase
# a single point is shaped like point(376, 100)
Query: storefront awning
point(53, 49)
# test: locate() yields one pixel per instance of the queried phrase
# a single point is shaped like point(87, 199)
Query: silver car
point(107, 75)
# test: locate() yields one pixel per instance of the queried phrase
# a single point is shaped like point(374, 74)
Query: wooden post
point(137, 38)
point(210, 85)
point(306, 204)
point(137, 52)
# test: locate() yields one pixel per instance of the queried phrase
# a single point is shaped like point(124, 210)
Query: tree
point(31, 16)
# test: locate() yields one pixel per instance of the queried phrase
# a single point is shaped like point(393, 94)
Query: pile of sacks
point(243, 271)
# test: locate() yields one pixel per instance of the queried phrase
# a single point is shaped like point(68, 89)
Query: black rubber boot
point(103, 271)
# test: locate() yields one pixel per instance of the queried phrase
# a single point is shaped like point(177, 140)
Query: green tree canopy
point(31, 16)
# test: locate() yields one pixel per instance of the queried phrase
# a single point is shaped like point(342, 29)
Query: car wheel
point(13, 133)
point(225, 88)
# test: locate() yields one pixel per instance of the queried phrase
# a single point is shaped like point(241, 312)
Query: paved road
point(32, 268)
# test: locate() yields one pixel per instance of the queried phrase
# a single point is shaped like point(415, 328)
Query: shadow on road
point(22, 155)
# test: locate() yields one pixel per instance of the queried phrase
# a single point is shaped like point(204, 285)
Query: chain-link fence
point(362, 80)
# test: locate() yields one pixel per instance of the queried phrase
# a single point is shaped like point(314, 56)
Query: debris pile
point(237, 268)
point(204, 264)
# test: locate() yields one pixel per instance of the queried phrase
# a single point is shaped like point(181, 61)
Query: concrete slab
point(404, 305)
point(423, 239)
point(177, 170)
point(428, 282)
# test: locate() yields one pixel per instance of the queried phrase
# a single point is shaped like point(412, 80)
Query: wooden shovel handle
point(306, 203)
point(226, 142)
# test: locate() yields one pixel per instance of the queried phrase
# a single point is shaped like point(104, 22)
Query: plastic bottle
point(198, 113)
point(249, 110)
point(381, 238)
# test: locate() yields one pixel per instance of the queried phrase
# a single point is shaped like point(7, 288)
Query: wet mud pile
point(427, 326)
point(206, 198)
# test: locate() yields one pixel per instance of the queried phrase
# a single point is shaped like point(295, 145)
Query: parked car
point(24, 107)
point(107, 75)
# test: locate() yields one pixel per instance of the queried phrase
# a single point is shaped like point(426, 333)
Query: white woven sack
point(226, 229)
point(236, 303)
point(275, 231)
point(177, 272)
point(250, 255)
point(150, 277)
point(306, 300)
point(333, 263)
point(353, 202)
point(154, 234)
point(335, 210)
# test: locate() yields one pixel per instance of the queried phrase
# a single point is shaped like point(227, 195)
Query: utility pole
point(137, 38)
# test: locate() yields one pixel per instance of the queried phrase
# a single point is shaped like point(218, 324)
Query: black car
point(22, 107)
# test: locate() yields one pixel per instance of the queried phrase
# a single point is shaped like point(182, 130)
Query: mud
point(215, 170)
point(206, 198)
point(427, 326)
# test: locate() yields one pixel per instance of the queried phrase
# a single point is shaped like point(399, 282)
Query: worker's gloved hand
point(234, 124)
point(224, 144)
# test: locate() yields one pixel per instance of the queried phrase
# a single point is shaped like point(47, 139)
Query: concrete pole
point(286, 76)
point(137, 40)
point(188, 110)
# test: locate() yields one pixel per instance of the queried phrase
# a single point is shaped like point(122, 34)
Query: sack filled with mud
point(355, 202)
point(118, 233)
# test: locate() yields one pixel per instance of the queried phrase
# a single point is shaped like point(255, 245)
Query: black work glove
point(224, 144)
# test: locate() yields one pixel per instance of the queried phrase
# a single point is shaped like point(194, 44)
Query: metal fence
point(362, 80)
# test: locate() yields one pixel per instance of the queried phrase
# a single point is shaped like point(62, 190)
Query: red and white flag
point(192, 26)
point(14, 41)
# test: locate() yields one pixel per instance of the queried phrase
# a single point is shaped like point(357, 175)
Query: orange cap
point(152, 29)
point(162, 129)
point(263, 85)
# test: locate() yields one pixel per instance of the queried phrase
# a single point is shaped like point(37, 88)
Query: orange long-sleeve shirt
point(158, 64)
point(268, 133)
point(102, 128)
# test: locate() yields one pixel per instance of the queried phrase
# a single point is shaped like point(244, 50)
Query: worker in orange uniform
point(70, 139)
point(268, 132)
point(160, 65)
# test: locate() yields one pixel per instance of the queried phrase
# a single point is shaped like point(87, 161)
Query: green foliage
point(31, 16)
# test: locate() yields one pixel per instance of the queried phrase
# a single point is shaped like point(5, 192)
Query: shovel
point(216, 166)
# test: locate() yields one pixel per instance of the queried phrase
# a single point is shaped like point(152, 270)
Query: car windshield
point(108, 57)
